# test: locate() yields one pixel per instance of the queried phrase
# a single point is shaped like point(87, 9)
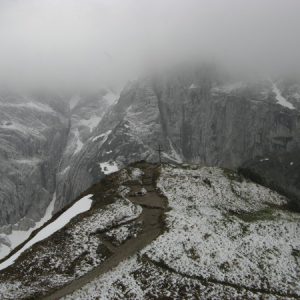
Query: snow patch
point(109, 167)
point(32, 161)
point(77, 208)
point(264, 159)
point(78, 142)
point(280, 99)
point(136, 174)
point(16, 237)
point(32, 105)
point(103, 135)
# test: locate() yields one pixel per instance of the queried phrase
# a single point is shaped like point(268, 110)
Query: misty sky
point(92, 43)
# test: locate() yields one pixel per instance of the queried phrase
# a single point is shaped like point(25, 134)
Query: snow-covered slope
point(224, 237)
point(71, 244)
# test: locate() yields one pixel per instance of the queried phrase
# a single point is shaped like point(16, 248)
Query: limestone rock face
point(41, 135)
point(32, 137)
point(198, 117)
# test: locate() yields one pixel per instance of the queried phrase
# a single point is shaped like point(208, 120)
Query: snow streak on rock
point(280, 99)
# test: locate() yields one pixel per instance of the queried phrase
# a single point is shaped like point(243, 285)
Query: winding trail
point(154, 206)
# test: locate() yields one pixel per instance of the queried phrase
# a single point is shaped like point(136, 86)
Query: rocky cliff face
point(197, 117)
point(40, 136)
point(32, 138)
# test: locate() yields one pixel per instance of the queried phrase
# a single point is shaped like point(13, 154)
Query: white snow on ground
point(206, 235)
point(280, 99)
point(91, 123)
point(220, 228)
point(79, 207)
point(16, 237)
point(136, 174)
point(104, 287)
point(111, 98)
point(78, 142)
point(33, 105)
point(102, 136)
point(264, 159)
point(65, 170)
point(81, 245)
point(4, 248)
point(109, 167)
point(32, 161)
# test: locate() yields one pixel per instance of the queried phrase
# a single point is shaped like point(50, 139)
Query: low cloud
point(87, 44)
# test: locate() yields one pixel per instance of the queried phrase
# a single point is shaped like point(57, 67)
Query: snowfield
point(223, 237)
point(108, 167)
point(77, 208)
point(226, 238)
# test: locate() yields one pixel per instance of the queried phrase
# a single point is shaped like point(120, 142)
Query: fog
point(87, 44)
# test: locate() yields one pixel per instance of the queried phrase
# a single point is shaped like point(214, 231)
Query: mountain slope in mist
point(40, 134)
point(200, 117)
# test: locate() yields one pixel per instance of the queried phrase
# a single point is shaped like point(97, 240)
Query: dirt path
point(154, 206)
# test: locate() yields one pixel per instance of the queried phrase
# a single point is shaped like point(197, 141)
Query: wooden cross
point(159, 150)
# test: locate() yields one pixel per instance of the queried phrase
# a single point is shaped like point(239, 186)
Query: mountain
point(59, 145)
point(40, 134)
point(197, 116)
point(32, 138)
point(147, 232)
